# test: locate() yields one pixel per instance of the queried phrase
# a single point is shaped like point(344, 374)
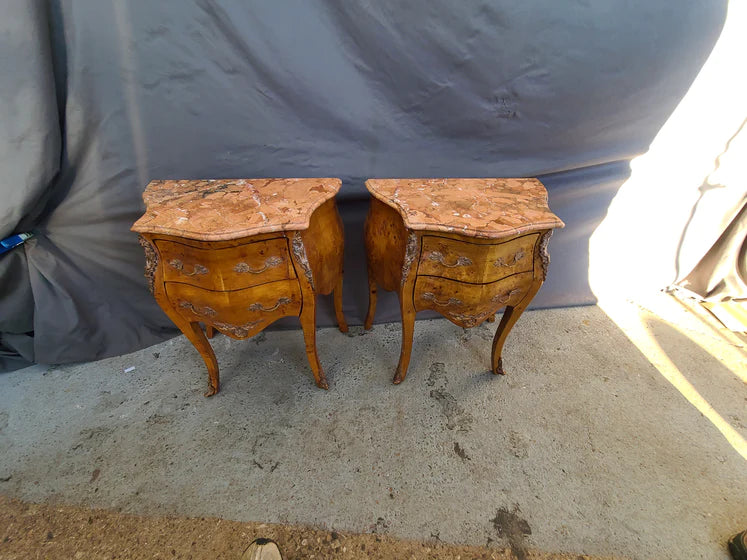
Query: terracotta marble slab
point(488, 208)
point(224, 209)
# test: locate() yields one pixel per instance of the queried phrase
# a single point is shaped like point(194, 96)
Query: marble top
point(224, 209)
point(488, 208)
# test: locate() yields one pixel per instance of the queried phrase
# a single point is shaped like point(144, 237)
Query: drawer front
point(239, 313)
point(468, 305)
point(473, 262)
point(231, 268)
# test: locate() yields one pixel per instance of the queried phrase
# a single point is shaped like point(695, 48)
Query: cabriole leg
point(510, 316)
point(193, 332)
point(408, 329)
point(308, 324)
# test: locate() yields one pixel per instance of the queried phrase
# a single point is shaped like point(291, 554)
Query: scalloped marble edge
point(469, 232)
point(258, 230)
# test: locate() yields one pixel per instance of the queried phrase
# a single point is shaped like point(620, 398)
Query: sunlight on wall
point(635, 247)
point(651, 229)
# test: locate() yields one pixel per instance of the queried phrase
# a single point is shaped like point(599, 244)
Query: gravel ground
point(65, 532)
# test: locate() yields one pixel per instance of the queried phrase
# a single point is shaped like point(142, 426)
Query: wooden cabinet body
point(451, 247)
point(239, 284)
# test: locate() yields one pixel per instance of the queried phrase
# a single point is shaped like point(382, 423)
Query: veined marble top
point(488, 208)
point(224, 209)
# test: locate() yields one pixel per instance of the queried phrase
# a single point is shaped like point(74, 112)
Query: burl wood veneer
point(462, 247)
point(238, 254)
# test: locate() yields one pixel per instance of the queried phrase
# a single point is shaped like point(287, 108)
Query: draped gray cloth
point(721, 275)
point(101, 96)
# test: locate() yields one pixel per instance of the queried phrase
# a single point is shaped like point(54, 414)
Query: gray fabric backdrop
point(99, 97)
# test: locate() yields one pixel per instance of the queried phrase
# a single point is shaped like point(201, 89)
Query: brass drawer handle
point(197, 310)
point(271, 262)
point(438, 256)
point(504, 298)
point(430, 296)
point(499, 262)
point(198, 269)
point(240, 331)
point(259, 307)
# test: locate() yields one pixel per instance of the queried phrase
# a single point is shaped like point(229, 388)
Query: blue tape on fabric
point(14, 241)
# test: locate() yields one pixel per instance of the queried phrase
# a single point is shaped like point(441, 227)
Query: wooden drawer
point(476, 262)
point(465, 304)
point(231, 268)
point(238, 313)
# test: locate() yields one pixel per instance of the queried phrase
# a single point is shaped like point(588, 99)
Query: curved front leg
point(510, 316)
point(512, 313)
point(197, 337)
point(406, 304)
point(193, 331)
point(408, 330)
point(308, 324)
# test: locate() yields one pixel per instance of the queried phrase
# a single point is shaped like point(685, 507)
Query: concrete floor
point(585, 446)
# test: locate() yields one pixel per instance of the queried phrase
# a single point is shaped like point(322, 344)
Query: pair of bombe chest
point(236, 255)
